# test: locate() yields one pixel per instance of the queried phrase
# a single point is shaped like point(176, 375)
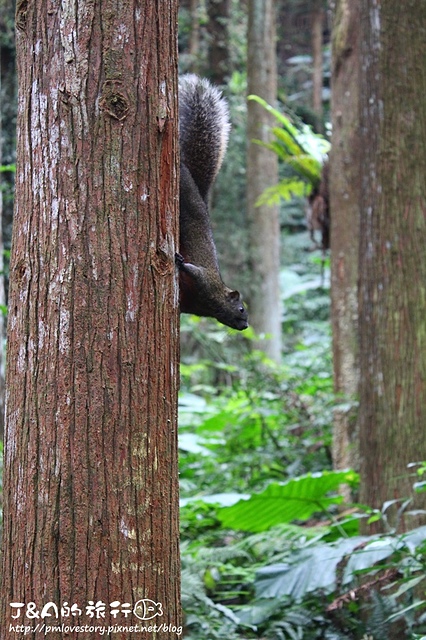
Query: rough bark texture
point(2, 292)
point(8, 100)
point(91, 493)
point(392, 255)
point(262, 171)
point(7, 157)
point(345, 189)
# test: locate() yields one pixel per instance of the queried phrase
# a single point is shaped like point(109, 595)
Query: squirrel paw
point(179, 260)
point(195, 272)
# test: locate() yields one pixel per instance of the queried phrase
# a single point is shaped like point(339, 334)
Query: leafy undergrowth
point(266, 423)
point(284, 562)
point(269, 550)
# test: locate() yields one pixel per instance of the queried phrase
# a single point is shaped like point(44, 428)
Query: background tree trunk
point(317, 57)
point(262, 171)
point(218, 12)
point(194, 39)
point(345, 189)
point(392, 256)
point(91, 486)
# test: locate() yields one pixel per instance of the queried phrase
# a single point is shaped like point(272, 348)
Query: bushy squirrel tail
point(203, 130)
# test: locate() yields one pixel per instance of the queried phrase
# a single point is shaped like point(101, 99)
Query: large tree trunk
point(7, 157)
point(90, 486)
point(2, 297)
point(262, 171)
point(392, 256)
point(8, 104)
point(345, 189)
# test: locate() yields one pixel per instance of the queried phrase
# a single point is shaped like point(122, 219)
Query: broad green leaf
point(260, 611)
point(296, 499)
point(311, 569)
point(414, 538)
point(380, 548)
point(369, 555)
point(409, 585)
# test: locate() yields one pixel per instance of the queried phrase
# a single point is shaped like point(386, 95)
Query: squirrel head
point(233, 313)
point(203, 293)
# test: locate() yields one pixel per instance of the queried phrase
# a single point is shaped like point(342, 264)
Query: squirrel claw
point(179, 260)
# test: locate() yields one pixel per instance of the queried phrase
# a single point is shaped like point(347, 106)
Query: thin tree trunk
point(90, 485)
point(194, 38)
point(317, 55)
point(218, 12)
point(392, 257)
point(345, 187)
point(262, 171)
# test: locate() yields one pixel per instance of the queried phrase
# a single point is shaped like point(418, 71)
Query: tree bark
point(8, 100)
point(2, 294)
point(194, 39)
point(345, 189)
point(7, 157)
point(262, 171)
point(91, 485)
point(392, 254)
point(317, 56)
point(218, 12)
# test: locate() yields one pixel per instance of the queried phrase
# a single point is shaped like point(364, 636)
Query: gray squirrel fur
point(203, 137)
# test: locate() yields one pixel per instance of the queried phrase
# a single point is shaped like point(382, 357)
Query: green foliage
point(299, 148)
point(244, 423)
point(297, 499)
point(306, 572)
point(303, 582)
point(421, 471)
point(267, 423)
point(8, 168)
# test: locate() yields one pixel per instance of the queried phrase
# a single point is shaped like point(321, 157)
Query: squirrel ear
point(234, 296)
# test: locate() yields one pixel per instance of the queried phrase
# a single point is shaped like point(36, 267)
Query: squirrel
point(203, 137)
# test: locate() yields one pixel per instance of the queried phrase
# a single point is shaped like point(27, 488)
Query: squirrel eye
point(241, 309)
